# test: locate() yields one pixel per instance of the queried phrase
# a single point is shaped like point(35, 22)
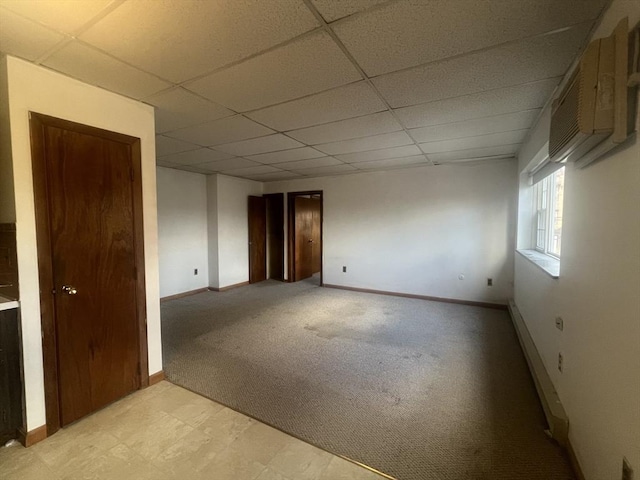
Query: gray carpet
point(415, 389)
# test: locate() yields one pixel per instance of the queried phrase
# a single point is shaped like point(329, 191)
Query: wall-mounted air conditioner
point(591, 114)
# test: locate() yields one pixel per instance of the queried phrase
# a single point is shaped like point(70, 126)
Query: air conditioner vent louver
point(565, 119)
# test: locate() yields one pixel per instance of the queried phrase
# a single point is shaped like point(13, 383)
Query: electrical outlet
point(489, 282)
point(195, 271)
point(559, 323)
point(627, 471)
point(344, 269)
point(560, 360)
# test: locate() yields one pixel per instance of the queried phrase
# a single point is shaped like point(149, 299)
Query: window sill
point(548, 264)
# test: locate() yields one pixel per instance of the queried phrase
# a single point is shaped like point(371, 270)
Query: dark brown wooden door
point(316, 249)
point(275, 235)
point(303, 237)
point(257, 239)
point(94, 269)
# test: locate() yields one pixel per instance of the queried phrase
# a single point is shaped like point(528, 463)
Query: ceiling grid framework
point(306, 88)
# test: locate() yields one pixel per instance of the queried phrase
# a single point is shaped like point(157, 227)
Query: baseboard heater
point(553, 409)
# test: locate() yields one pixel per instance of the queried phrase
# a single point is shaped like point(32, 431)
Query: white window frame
point(544, 209)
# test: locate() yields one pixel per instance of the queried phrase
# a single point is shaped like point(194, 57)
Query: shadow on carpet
point(418, 390)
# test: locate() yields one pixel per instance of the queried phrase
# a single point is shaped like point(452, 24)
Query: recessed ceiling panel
point(367, 125)
point(193, 157)
point(332, 10)
point(24, 38)
point(313, 162)
point(375, 142)
point(179, 43)
point(397, 152)
point(478, 105)
point(392, 162)
point(344, 102)
point(270, 143)
point(495, 139)
point(409, 33)
point(513, 64)
point(480, 126)
point(178, 108)
point(168, 146)
point(274, 177)
point(226, 130)
point(287, 155)
point(308, 65)
point(500, 151)
point(329, 170)
point(229, 164)
point(94, 67)
point(247, 171)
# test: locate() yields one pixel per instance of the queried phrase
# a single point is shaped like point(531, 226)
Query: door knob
point(311, 240)
point(69, 289)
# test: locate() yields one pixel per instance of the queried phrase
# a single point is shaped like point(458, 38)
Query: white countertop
point(6, 304)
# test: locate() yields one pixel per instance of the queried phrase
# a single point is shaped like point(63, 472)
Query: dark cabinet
point(10, 379)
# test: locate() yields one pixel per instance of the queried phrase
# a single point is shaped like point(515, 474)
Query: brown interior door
point(257, 239)
point(316, 249)
point(94, 269)
point(303, 237)
point(275, 235)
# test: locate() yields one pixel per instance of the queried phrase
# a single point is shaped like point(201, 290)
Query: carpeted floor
point(415, 389)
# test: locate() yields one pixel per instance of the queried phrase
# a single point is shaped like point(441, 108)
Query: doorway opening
point(266, 237)
point(305, 210)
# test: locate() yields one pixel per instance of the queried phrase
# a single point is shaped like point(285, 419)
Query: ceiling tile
point(179, 43)
point(313, 162)
point(226, 130)
point(368, 125)
point(194, 169)
point(161, 162)
point(528, 60)
point(492, 140)
point(374, 142)
point(342, 168)
point(24, 38)
point(63, 15)
point(287, 155)
point(257, 170)
point(392, 162)
point(270, 143)
point(503, 100)
point(229, 164)
point(409, 33)
point(503, 151)
point(193, 157)
point(332, 10)
point(168, 146)
point(397, 152)
point(479, 126)
point(96, 68)
point(308, 65)
point(344, 102)
point(274, 177)
point(178, 108)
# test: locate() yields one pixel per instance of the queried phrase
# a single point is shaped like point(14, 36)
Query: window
point(548, 197)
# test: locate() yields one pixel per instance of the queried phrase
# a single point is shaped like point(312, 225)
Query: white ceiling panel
point(247, 171)
point(479, 126)
point(313, 162)
point(24, 38)
point(196, 169)
point(63, 15)
point(393, 162)
point(181, 40)
point(287, 155)
point(349, 101)
point(229, 164)
point(374, 142)
point(161, 162)
point(409, 33)
point(368, 125)
point(329, 170)
point(226, 130)
point(332, 10)
point(193, 157)
point(270, 143)
point(478, 105)
point(495, 139)
point(397, 152)
point(528, 60)
point(94, 67)
point(274, 177)
point(178, 108)
point(168, 146)
point(503, 151)
point(308, 65)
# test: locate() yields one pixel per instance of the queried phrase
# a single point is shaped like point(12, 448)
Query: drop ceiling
point(282, 89)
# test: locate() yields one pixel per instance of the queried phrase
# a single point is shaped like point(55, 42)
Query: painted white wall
point(598, 297)
point(416, 230)
point(33, 88)
point(229, 251)
point(7, 197)
point(182, 231)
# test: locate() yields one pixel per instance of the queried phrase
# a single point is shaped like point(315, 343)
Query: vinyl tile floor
point(166, 432)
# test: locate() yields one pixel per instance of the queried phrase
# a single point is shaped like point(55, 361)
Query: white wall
point(229, 251)
point(598, 297)
point(32, 88)
point(182, 231)
point(416, 230)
